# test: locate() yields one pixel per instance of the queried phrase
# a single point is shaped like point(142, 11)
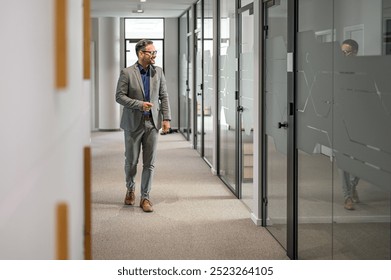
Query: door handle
point(282, 124)
point(240, 109)
point(199, 93)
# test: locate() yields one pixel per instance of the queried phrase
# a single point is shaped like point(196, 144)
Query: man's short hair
point(351, 43)
point(142, 44)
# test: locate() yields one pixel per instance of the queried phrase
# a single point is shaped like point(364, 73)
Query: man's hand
point(166, 126)
point(147, 106)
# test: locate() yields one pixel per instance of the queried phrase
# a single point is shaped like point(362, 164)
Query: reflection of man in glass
point(349, 182)
point(349, 47)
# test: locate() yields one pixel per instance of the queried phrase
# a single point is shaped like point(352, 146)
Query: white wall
point(43, 133)
point(109, 70)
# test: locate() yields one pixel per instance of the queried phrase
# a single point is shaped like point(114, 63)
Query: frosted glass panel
point(314, 118)
point(276, 112)
point(276, 91)
point(363, 117)
point(343, 130)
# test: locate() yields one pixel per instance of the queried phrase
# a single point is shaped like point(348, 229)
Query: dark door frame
point(292, 186)
point(198, 91)
point(239, 108)
point(292, 189)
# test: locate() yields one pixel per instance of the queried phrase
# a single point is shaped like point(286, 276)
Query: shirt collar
point(141, 68)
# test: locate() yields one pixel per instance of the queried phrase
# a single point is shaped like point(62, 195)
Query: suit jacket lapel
point(151, 80)
point(138, 75)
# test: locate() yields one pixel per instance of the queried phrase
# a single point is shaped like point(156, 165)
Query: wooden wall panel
point(87, 203)
point(62, 231)
point(86, 40)
point(60, 36)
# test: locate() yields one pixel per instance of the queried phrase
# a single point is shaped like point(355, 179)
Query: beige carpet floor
point(196, 216)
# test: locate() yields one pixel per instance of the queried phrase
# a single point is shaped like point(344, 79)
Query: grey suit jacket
point(130, 94)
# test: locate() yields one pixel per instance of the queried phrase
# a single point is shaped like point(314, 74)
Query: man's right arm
point(121, 95)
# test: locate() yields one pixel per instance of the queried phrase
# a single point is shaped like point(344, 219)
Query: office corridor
point(195, 217)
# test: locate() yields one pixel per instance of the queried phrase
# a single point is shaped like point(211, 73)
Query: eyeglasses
point(152, 53)
point(347, 52)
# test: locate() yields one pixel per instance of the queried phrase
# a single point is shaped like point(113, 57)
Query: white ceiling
point(127, 8)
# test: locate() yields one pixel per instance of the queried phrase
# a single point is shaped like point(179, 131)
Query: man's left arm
point(165, 103)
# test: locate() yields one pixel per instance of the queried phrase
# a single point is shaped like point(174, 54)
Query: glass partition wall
point(342, 120)
point(246, 101)
point(227, 90)
point(209, 91)
point(199, 79)
point(184, 87)
point(343, 129)
point(275, 107)
point(314, 129)
point(362, 131)
point(235, 97)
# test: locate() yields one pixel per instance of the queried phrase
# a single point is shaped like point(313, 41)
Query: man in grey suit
point(142, 90)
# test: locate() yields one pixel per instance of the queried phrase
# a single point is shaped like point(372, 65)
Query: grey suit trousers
point(145, 137)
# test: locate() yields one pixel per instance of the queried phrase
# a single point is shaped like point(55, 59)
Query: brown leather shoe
point(146, 205)
point(129, 198)
point(349, 204)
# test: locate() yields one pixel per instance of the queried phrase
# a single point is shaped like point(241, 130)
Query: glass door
point(276, 117)
point(227, 95)
point(246, 101)
point(184, 88)
point(209, 89)
point(199, 90)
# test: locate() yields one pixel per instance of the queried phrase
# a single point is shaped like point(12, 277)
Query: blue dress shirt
point(145, 76)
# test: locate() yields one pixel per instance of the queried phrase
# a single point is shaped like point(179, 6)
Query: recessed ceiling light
point(140, 9)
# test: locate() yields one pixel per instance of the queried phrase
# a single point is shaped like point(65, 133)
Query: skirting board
point(256, 220)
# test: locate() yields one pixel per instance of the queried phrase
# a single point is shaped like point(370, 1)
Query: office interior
point(259, 88)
